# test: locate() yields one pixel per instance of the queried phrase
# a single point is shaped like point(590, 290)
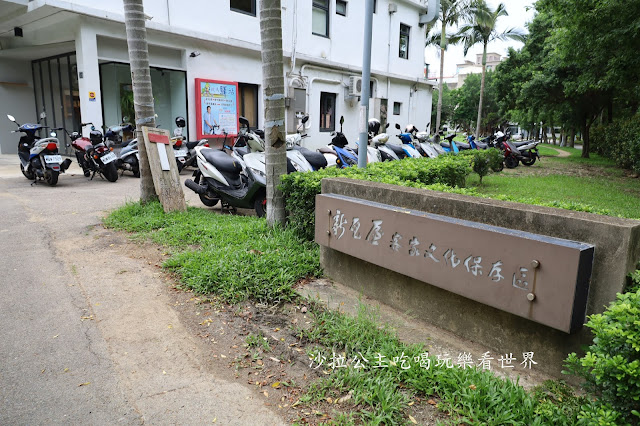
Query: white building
point(469, 67)
point(70, 58)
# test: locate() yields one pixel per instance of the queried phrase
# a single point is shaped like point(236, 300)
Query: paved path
point(88, 334)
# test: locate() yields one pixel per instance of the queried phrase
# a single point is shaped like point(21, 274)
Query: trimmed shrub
point(611, 366)
point(300, 189)
point(619, 141)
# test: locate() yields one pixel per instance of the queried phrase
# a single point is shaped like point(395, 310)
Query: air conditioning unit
point(355, 85)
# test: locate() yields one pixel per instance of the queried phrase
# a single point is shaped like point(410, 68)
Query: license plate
point(53, 159)
point(182, 152)
point(107, 158)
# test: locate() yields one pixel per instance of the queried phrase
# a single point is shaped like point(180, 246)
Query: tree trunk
point(274, 125)
point(553, 133)
point(441, 81)
point(572, 138)
point(142, 93)
point(585, 137)
point(484, 69)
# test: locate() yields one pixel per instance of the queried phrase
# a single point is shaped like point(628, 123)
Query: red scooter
point(93, 155)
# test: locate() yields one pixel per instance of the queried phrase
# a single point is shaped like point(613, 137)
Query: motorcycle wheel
point(528, 161)
point(260, 205)
point(28, 175)
point(110, 172)
point(511, 162)
point(209, 202)
point(51, 177)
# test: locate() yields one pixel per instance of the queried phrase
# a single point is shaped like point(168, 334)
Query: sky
point(518, 17)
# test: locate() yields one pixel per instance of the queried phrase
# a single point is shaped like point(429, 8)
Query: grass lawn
point(594, 182)
point(235, 257)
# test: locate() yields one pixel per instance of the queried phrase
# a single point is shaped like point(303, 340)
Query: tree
point(273, 84)
point(142, 93)
point(482, 29)
point(448, 104)
point(451, 11)
point(466, 100)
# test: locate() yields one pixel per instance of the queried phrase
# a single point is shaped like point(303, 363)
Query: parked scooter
point(337, 153)
point(39, 158)
point(407, 144)
point(379, 141)
point(220, 177)
point(294, 143)
point(181, 146)
point(128, 158)
point(93, 155)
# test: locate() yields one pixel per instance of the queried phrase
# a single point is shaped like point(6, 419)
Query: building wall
point(103, 39)
point(16, 95)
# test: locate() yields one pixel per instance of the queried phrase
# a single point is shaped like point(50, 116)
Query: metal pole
point(366, 78)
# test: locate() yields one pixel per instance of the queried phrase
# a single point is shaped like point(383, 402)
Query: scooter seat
point(191, 145)
point(325, 150)
point(463, 145)
point(316, 159)
point(517, 144)
point(482, 145)
point(397, 149)
point(241, 151)
point(221, 161)
point(445, 145)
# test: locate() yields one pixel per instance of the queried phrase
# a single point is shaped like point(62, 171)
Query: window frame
point(375, 6)
point(345, 7)
point(323, 98)
point(407, 34)
point(399, 105)
point(327, 10)
point(244, 12)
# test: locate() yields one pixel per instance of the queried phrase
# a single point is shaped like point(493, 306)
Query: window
point(375, 6)
point(396, 108)
point(244, 6)
point(327, 112)
point(404, 41)
point(341, 7)
point(320, 18)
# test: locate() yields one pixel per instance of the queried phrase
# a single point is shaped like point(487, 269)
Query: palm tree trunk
point(441, 82)
point(142, 93)
point(273, 86)
point(484, 69)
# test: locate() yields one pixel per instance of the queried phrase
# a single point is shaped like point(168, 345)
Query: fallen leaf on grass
point(472, 387)
point(431, 402)
point(413, 420)
point(84, 384)
point(275, 385)
point(266, 394)
point(253, 251)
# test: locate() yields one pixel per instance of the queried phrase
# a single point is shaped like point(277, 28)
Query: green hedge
point(300, 189)
point(619, 141)
point(611, 366)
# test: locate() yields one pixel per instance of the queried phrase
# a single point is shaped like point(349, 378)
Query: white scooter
point(220, 177)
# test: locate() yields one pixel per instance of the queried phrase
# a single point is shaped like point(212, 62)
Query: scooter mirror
point(125, 119)
point(11, 118)
point(341, 120)
point(387, 126)
point(397, 126)
point(93, 127)
point(305, 119)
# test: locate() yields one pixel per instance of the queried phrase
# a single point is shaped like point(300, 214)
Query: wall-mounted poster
point(216, 108)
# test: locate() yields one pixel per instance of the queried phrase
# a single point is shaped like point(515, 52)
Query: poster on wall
point(217, 108)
